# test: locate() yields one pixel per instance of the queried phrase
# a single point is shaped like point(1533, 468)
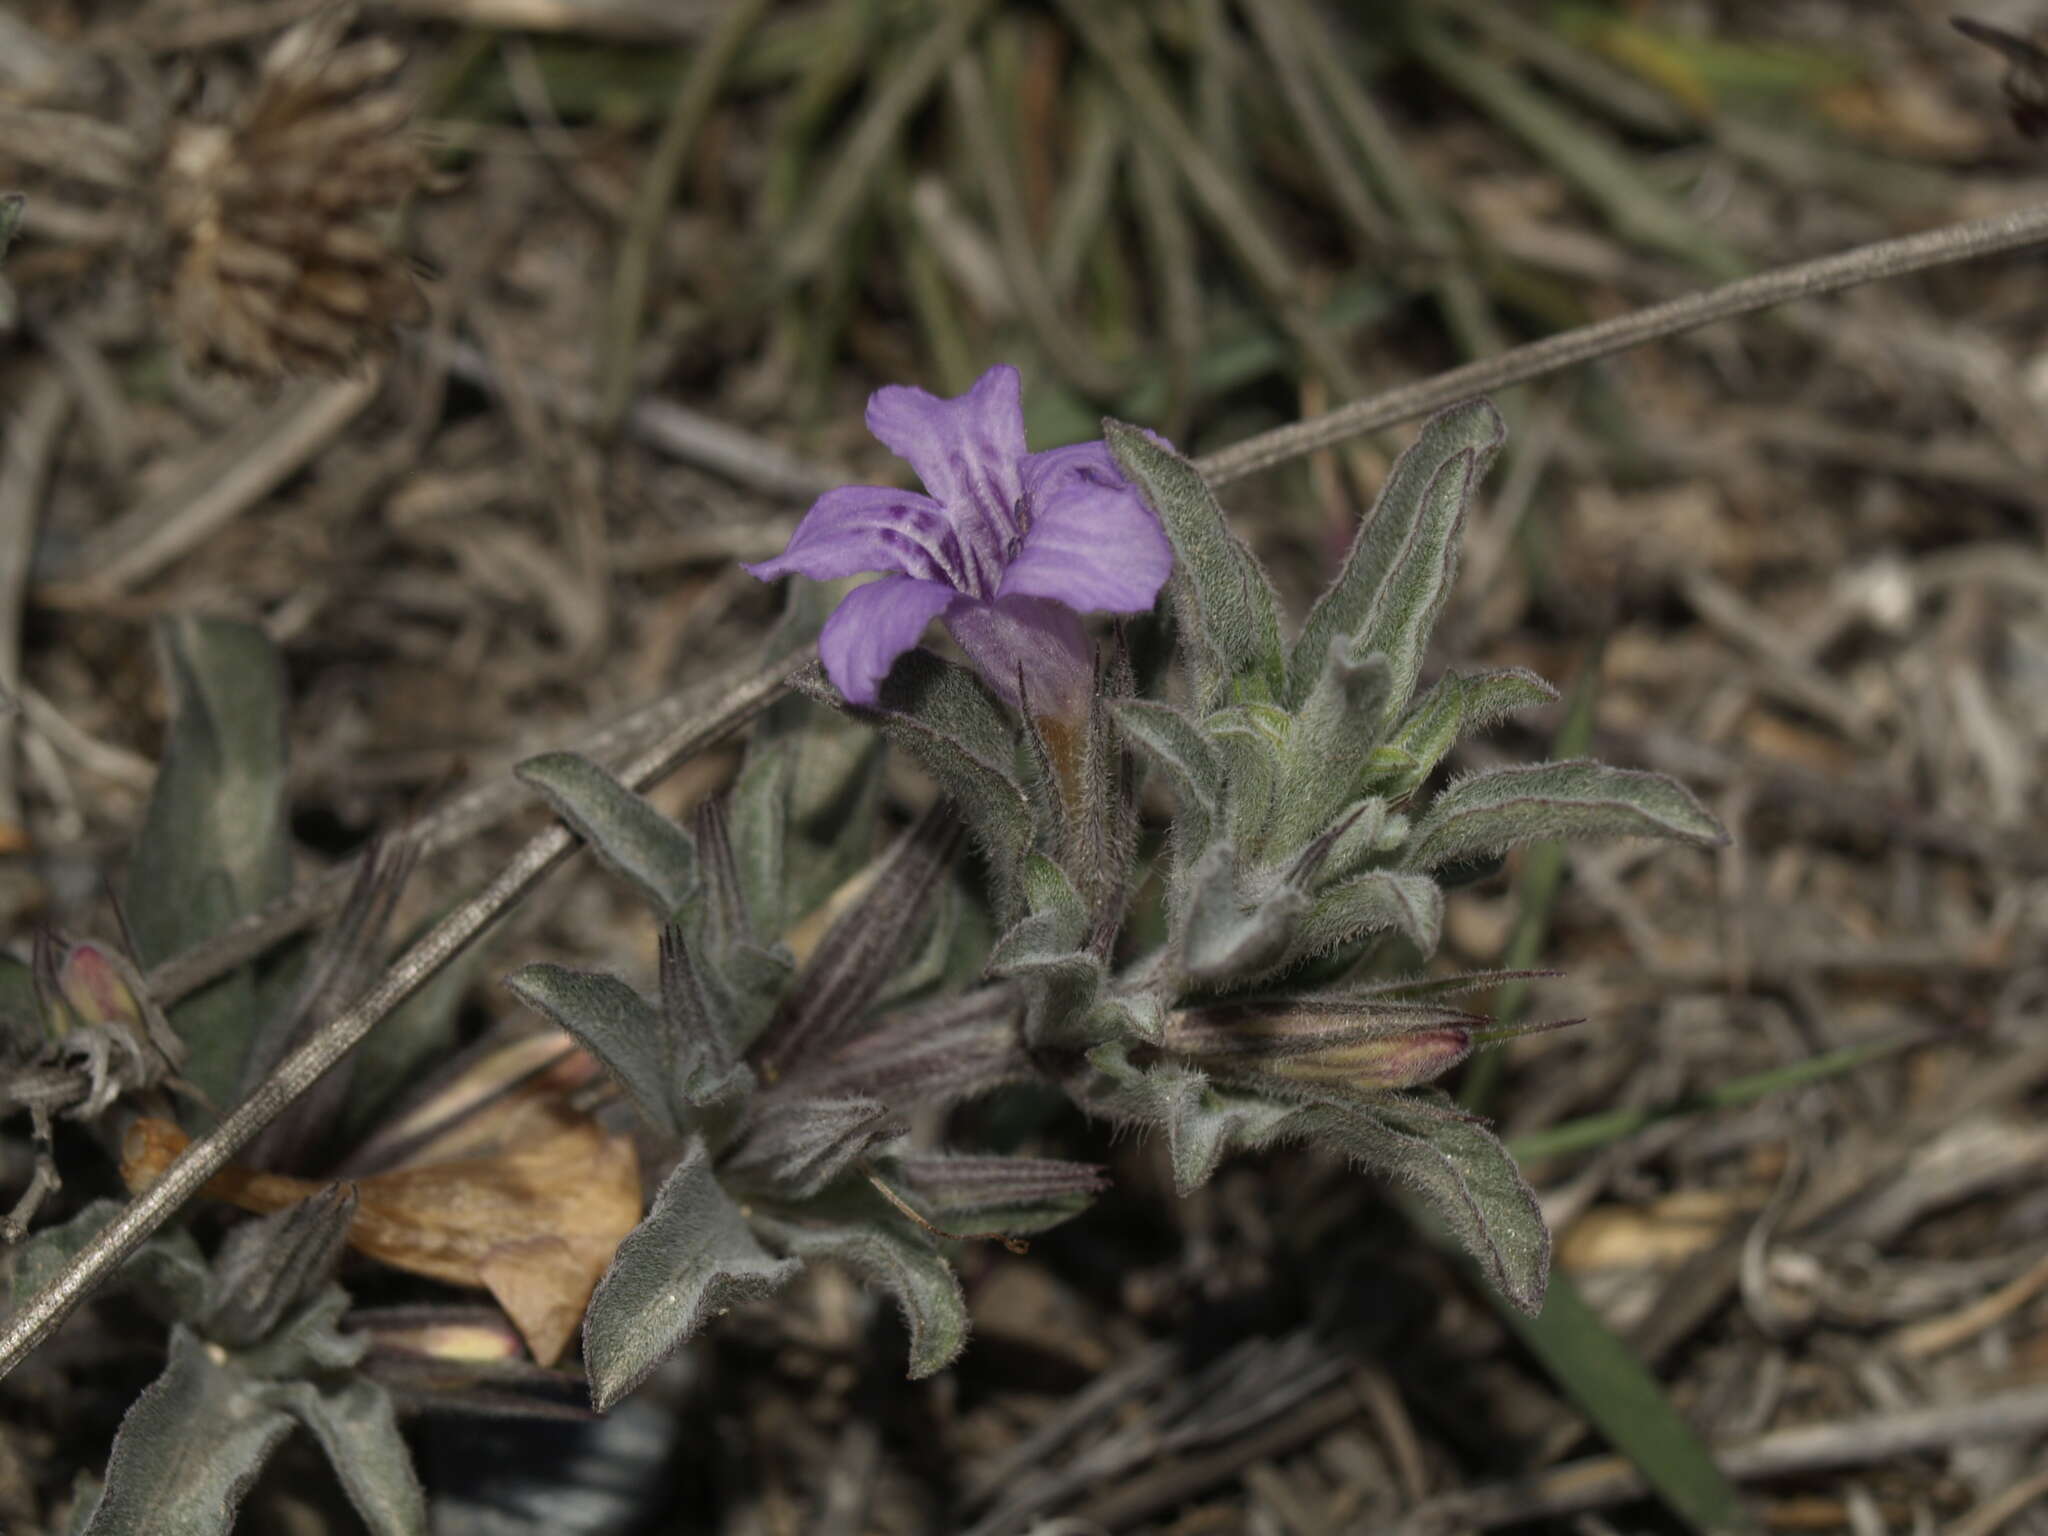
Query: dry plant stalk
point(534, 1221)
point(279, 266)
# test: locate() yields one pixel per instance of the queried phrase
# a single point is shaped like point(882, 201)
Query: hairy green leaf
point(1227, 935)
point(1368, 829)
point(1460, 704)
point(356, 1426)
point(692, 1258)
point(188, 1450)
point(214, 844)
point(1334, 730)
point(1503, 808)
point(633, 839)
point(759, 823)
point(941, 716)
point(796, 1147)
point(1011, 1195)
point(1055, 924)
point(1400, 566)
point(1375, 902)
point(1228, 616)
point(618, 1026)
point(1175, 744)
point(268, 1267)
point(1252, 741)
point(1201, 1121)
point(1462, 1170)
point(886, 1253)
point(168, 1267)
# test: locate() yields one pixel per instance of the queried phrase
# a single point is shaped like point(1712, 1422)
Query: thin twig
point(231, 476)
point(1802, 280)
point(300, 1070)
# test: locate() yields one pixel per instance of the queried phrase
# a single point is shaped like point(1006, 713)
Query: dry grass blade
point(1125, 53)
point(635, 269)
point(225, 482)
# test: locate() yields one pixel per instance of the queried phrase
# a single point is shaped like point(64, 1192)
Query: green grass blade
point(1628, 1406)
point(1590, 1131)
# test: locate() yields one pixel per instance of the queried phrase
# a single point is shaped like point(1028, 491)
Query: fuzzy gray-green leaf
point(1462, 1170)
point(1226, 936)
point(1229, 618)
point(356, 1426)
point(618, 1026)
point(1377, 901)
point(692, 1258)
point(12, 206)
point(758, 819)
point(1459, 704)
point(1368, 829)
point(1054, 925)
point(188, 1449)
point(906, 1265)
point(1400, 565)
point(1251, 740)
point(647, 849)
point(942, 717)
point(1334, 730)
point(269, 1266)
point(1201, 1122)
point(214, 843)
point(1503, 808)
point(795, 1147)
point(1176, 745)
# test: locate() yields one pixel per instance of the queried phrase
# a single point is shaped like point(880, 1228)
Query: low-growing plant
point(1250, 971)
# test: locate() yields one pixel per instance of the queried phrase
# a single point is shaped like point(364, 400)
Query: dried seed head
point(278, 264)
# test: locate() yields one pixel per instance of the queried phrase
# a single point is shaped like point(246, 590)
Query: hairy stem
point(1803, 280)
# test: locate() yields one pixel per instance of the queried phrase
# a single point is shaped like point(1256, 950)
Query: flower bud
point(94, 984)
point(84, 984)
point(1361, 1046)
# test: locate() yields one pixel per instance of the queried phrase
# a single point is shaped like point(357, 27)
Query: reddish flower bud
point(1365, 1046)
point(95, 985)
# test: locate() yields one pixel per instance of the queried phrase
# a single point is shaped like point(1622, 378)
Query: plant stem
point(1802, 280)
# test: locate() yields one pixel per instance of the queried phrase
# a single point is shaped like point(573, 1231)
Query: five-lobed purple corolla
point(1008, 549)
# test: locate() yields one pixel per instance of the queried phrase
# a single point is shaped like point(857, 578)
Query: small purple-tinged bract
point(1009, 548)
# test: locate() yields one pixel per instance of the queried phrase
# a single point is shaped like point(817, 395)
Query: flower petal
point(869, 528)
point(1026, 637)
point(967, 450)
point(874, 625)
point(1094, 544)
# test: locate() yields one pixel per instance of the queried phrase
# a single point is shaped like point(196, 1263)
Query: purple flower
point(1008, 549)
